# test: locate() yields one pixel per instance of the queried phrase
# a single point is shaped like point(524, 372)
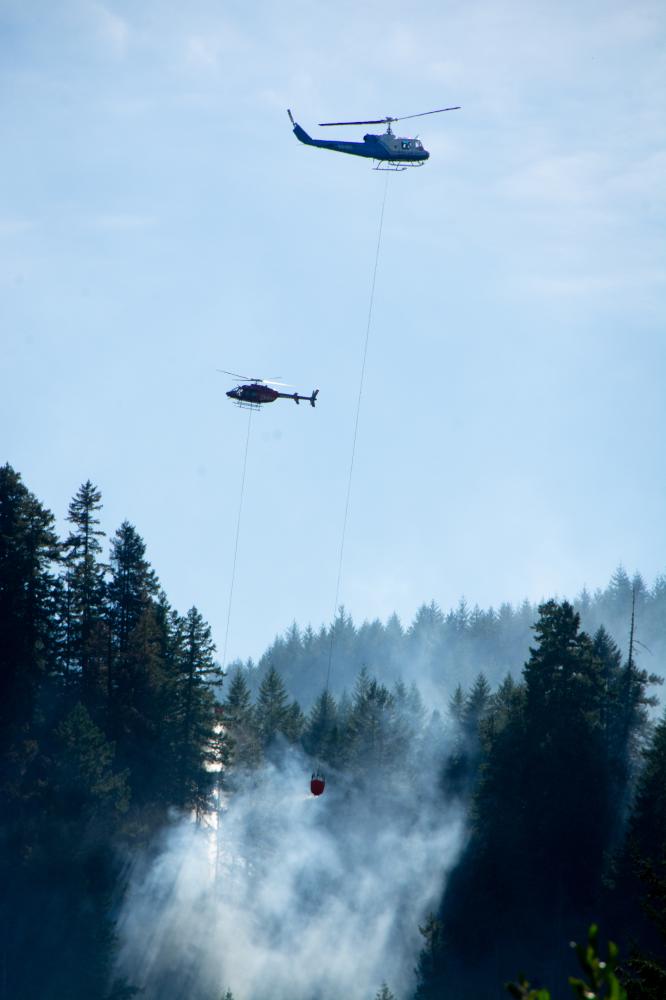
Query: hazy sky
point(158, 220)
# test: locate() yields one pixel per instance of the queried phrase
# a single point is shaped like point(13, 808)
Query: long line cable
point(355, 436)
point(238, 524)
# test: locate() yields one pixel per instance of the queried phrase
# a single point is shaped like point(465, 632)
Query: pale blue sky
point(158, 220)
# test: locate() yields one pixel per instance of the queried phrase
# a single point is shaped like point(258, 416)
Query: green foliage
point(85, 593)
point(83, 777)
point(132, 587)
point(552, 771)
point(202, 747)
point(239, 720)
point(427, 967)
point(599, 981)
point(384, 993)
point(647, 829)
point(600, 974)
point(29, 596)
point(321, 735)
point(641, 885)
point(376, 732)
point(108, 719)
point(522, 990)
point(447, 649)
point(274, 714)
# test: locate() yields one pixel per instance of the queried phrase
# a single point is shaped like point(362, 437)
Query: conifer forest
point(495, 790)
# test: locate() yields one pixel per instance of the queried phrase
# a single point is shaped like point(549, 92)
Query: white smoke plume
point(294, 897)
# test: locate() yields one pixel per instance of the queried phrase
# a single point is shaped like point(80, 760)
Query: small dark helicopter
point(391, 152)
point(256, 391)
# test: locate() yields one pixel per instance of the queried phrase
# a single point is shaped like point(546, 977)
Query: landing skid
point(397, 165)
point(244, 405)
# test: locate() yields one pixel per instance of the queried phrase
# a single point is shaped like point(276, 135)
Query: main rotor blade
point(421, 114)
point(371, 121)
point(389, 119)
point(243, 378)
point(254, 378)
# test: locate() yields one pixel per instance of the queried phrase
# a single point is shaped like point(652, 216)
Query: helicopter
point(391, 152)
point(256, 391)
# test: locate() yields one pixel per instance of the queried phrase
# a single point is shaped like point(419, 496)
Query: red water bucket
point(317, 785)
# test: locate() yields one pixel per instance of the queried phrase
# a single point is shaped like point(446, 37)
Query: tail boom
point(297, 399)
point(338, 145)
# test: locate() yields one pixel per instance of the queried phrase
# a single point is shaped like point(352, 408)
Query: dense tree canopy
point(116, 723)
point(107, 722)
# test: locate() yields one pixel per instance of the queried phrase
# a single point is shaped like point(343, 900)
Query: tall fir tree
point(138, 676)
point(203, 746)
point(60, 866)
point(131, 591)
point(272, 709)
point(86, 644)
point(638, 902)
point(376, 732)
point(240, 721)
point(29, 630)
point(321, 737)
point(540, 817)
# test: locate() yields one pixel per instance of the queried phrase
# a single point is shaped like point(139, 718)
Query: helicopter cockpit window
point(418, 144)
point(406, 143)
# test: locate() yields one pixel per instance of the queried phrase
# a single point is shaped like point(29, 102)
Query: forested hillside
point(107, 722)
point(441, 650)
point(495, 783)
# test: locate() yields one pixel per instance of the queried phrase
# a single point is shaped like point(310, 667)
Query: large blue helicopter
point(391, 152)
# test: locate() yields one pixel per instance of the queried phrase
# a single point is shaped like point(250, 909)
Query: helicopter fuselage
point(256, 393)
point(387, 146)
point(253, 393)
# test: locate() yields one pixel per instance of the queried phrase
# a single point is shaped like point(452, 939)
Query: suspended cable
point(355, 436)
point(238, 524)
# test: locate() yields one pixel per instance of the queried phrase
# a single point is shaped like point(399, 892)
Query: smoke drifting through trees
point(440, 650)
point(510, 789)
point(314, 898)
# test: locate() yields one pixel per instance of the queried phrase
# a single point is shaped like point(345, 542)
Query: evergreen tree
point(202, 743)
point(376, 733)
point(85, 593)
point(502, 702)
point(428, 970)
point(272, 709)
point(131, 590)
point(294, 723)
point(540, 813)
point(476, 705)
point(457, 705)
point(29, 633)
point(469, 712)
point(565, 773)
point(411, 709)
point(639, 899)
point(59, 867)
point(425, 634)
point(647, 828)
point(618, 594)
point(624, 723)
point(141, 681)
point(321, 735)
point(241, 725)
